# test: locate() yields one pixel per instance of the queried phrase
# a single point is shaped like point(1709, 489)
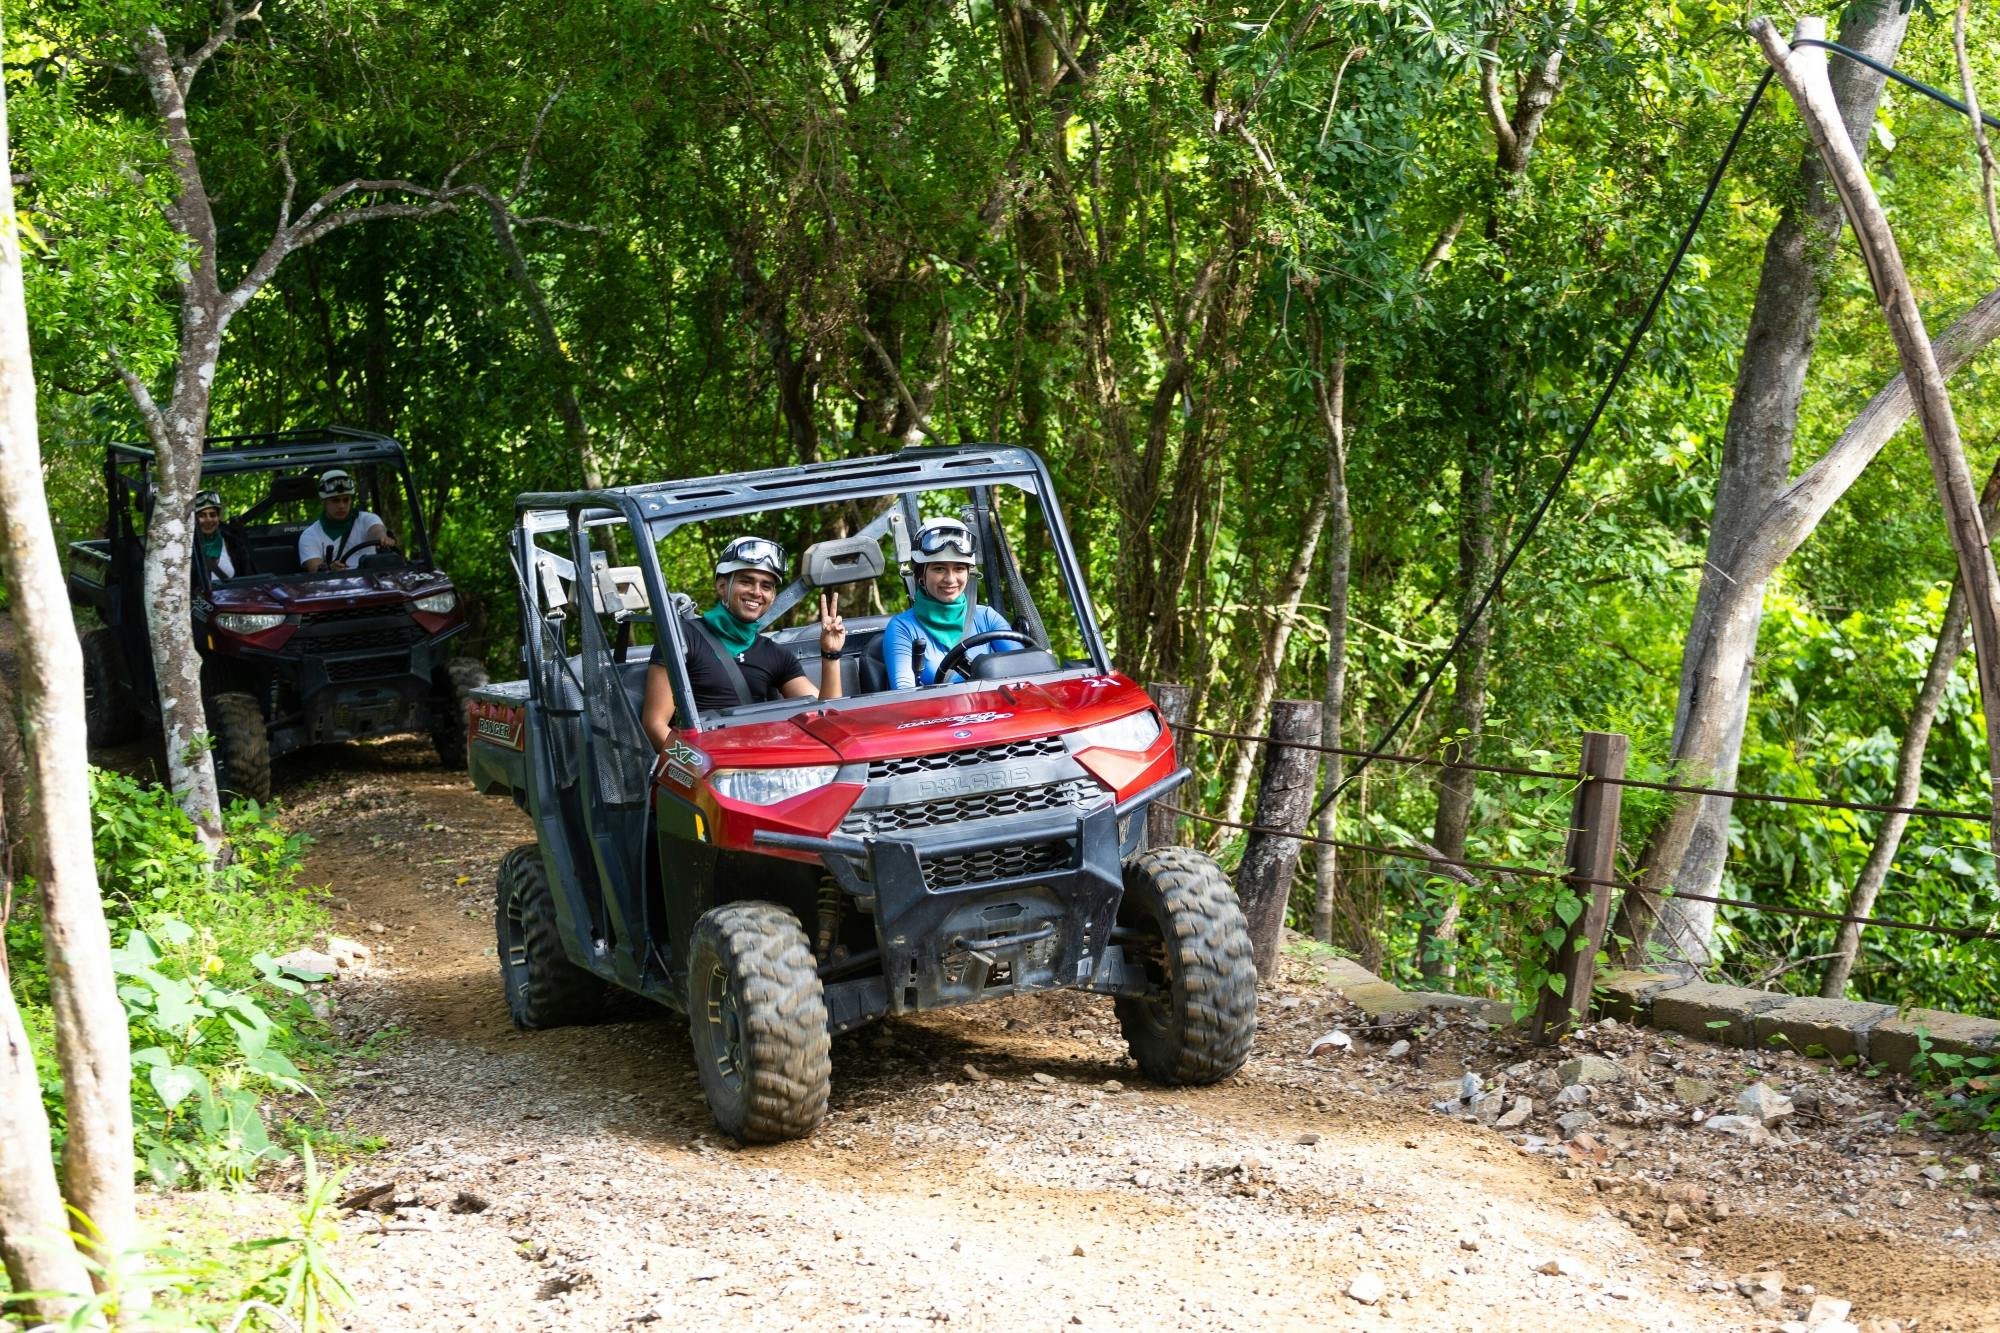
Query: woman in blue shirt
point(942, 552)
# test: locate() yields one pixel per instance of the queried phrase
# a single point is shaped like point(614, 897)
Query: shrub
point(215, 1021)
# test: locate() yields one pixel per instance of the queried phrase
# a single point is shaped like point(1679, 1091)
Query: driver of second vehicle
point(220, 551)
point(747, 576)
point(943, 613)
point(340, 532)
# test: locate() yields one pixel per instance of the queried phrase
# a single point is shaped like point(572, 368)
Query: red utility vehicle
point(289, 659)
point(788, 870)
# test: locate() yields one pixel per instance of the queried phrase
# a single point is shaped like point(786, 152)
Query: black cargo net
point(620, 757)
point(562, 702)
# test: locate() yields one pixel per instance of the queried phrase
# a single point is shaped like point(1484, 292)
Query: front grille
point(375, 633)
point(375, 612)
point(361, 668)
point(946, 872)
point(969, 809)
point(1045, 747)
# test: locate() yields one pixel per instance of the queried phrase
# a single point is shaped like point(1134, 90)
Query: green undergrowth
point(218, 1026)
point(1961, 1092)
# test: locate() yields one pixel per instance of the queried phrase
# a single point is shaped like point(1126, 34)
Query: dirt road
point(999, 1167)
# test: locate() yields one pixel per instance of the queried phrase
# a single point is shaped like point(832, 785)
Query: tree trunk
point(1284, 800)
point(1330, 394)
point(1465, 718)
point(1716, 664)
point(169, 587)
point(93, 1047)
point(1271, 657)
point(1950, 646)
point(1805, 76)
point(568, 405)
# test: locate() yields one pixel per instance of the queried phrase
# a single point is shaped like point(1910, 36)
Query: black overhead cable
point(1388, 735)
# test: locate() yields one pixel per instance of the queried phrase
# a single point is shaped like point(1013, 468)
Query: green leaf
point(1557, 983)
point(176, 1083)
point(173, 928)
point(1569, 907)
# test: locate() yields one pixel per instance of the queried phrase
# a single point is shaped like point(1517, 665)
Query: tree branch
point(1047, 25)
point(1496, 108)
point(919, 418)
point(150, 416)
point(1987, 166)
point(534, 140)
point(224, 33)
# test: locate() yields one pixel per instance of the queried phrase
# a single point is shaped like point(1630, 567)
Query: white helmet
point(942, 541)
point(752, 553)
point(334, 482)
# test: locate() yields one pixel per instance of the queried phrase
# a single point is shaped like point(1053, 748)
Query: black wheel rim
point(515, 961)
point(1149, 951)
point(725, 1027)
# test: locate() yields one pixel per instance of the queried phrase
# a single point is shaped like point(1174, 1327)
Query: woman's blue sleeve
point(896, 652)
point(990, 620)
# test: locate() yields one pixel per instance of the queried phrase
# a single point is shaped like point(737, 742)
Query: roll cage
point(128, 469)
point(658, 509)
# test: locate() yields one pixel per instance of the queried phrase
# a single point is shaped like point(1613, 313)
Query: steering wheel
point(955, 659)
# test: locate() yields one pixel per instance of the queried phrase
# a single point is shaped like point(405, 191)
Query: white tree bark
point(178, 427)
point(1716, 665)
point(1804, 74)
point(92, 1045)
point(1330, 395)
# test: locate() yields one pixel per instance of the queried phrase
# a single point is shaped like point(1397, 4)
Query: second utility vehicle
point(289, 658)
point(788, 870)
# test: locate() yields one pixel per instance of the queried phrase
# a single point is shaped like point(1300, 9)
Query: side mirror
point(843, 560)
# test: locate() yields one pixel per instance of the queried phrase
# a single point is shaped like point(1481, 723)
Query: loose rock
point(1366, 1288)
point(1764, 1102)
point(1589, 1069)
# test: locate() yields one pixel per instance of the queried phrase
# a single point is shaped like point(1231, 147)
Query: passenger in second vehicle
point(728, 661)
point(220, 551)
point(944, 612)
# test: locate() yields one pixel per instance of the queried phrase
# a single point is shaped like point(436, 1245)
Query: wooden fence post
point(1163, 825)
point(1591, 855)
point(1284, 799)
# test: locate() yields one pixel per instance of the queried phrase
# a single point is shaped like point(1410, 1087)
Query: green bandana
point(211, 547)
point(945, 621)
point(736, 635)
point(338, 531)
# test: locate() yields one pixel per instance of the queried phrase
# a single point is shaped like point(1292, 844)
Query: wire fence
point(1963, 933)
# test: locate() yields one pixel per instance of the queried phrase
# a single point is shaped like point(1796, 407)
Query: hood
point(302, 593)
point(928, 722)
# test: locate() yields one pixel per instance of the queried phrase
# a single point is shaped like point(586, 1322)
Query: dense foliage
point(215, 1019)
point(1135, 237)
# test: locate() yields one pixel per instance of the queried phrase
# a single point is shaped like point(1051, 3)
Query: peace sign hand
point(832, 629)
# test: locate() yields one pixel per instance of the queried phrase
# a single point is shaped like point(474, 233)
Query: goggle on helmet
point(207, 500)
point(751, 553)
point(335, 482)
point(942, 541)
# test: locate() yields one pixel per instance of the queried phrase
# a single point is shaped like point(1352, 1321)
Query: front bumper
point(945, 944)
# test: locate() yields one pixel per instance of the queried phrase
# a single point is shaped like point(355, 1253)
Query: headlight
point(1135, 731)
point(249, 622)
point(768, 786)
point(437, 603)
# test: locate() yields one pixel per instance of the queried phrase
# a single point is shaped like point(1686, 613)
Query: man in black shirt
point(728, 662)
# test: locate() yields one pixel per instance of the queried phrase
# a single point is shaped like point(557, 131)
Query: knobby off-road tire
point(544, 988)
point(455, 684)
point(1195, 1023)
point(242, 747)
point(108, 715)
point(757, 1014)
